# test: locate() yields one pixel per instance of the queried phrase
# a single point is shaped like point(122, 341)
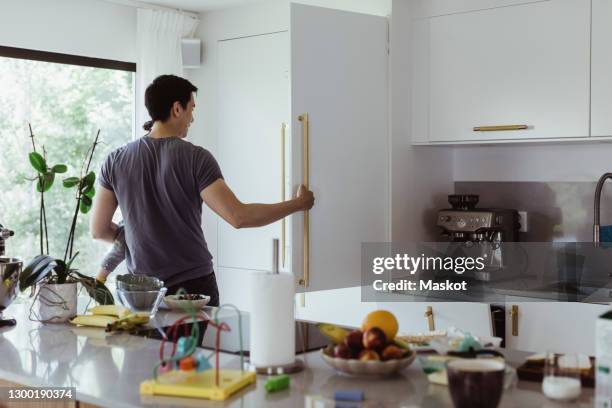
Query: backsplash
point(557, 211)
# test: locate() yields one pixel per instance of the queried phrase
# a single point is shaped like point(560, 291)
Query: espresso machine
point(10, 268)
point(479, 232)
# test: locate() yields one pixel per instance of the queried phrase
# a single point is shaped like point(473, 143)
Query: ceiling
point(199, 5)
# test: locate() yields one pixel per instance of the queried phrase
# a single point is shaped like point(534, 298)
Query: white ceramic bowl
point(368, 368)
point(174, 303)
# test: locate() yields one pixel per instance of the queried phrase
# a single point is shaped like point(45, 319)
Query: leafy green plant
point(44, 266)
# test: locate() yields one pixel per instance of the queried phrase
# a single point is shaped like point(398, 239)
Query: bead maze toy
point(187, 373)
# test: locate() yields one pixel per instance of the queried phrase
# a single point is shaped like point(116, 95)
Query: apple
point(342, 351)
point(354, 341)
point(391, 352)
point(374, 339)
point(369, 355)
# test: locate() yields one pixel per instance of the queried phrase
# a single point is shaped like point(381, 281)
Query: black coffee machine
point(479, 232)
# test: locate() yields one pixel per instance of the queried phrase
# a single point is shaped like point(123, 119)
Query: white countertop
point(106, 370)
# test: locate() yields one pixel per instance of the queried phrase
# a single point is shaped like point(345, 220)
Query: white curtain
point(159, 34)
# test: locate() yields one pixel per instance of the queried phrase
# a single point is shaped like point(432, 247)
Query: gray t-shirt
point(157, 183)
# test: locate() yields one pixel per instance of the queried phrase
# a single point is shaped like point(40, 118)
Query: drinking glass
point(562, 377)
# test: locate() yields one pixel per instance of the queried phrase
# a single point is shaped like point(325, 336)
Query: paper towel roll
point(272, 320)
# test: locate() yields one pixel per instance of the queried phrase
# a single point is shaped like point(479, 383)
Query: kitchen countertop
point(106, 370)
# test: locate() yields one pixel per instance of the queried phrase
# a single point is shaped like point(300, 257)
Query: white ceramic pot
point(57, 303)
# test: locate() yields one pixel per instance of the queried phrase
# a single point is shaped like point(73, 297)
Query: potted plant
point(57, 280)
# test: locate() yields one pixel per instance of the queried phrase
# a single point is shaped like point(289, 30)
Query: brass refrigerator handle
point(303, 118)
point(499, 128)
point(514, 316)
point(430, 318)
point(283, 228)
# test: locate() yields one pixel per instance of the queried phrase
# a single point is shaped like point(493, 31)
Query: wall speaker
point(191, 49)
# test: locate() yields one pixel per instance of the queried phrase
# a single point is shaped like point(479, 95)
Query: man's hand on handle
point(220, 198)
point(306, 197)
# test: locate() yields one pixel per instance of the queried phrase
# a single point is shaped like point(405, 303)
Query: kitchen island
point(106, 370)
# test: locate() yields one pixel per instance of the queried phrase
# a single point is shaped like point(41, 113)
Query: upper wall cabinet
point(601, 60)
point(520, 71)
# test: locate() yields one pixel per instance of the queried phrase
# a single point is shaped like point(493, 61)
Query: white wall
point(91, 28)
point(421, 177)
point(544, 162)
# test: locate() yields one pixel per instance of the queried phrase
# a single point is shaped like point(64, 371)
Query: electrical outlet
point(523, 221)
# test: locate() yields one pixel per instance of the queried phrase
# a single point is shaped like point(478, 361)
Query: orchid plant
point(45, 268)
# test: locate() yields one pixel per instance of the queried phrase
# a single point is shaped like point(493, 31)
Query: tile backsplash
point(557, 211)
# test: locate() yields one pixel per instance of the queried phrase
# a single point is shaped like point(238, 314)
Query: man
point(159, 182)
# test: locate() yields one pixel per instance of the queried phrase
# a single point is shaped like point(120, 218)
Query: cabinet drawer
point(521, 65)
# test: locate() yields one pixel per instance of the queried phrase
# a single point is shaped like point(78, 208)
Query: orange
point(382, 319)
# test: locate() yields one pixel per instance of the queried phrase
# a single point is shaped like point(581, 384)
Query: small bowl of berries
point(186, 302)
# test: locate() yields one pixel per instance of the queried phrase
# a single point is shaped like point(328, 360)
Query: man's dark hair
point(161, 95)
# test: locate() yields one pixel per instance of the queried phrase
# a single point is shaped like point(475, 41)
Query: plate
point(185, 305)
point(356, 367)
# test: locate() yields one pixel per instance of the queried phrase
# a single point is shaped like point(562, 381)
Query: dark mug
point(475, 383)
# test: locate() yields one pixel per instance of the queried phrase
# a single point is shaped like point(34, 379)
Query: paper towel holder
point(295, 367)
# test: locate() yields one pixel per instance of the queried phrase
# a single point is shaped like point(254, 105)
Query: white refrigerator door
point(339, 77)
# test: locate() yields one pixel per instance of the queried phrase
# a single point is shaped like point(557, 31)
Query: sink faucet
point(597, 211)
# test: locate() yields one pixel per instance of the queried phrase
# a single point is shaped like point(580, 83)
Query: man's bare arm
point(222, 200)
point(102, 226)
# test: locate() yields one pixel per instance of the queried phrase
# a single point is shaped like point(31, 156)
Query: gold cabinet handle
point(430, 318)
point(303, 118)
point(283, 229)
point(499, 128)
point(514, 312)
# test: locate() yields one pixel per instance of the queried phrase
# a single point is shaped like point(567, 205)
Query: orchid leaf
point(47, 180)
point(71, 182)
point(59, 168)
point(38, 162)
point(96, 289)
point(39, 268)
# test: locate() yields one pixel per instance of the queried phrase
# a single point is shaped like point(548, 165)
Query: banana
point(129, 322)
point(93, 320)
point(136, 318)
point(401, 343)
point(334, 333)
point(110, 310)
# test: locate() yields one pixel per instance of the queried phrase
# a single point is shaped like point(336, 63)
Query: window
point(66, 99)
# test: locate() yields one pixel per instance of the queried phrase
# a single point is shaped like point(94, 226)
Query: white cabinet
point(253, 103)
point(331, 68)
point(524, 64)
point(558, 327)
point(421, 317)
point(601, 60)
point(345, 308)
point(342, 307)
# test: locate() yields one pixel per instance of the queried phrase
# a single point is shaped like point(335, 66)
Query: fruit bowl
point(184, 303)
point(356, 367)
